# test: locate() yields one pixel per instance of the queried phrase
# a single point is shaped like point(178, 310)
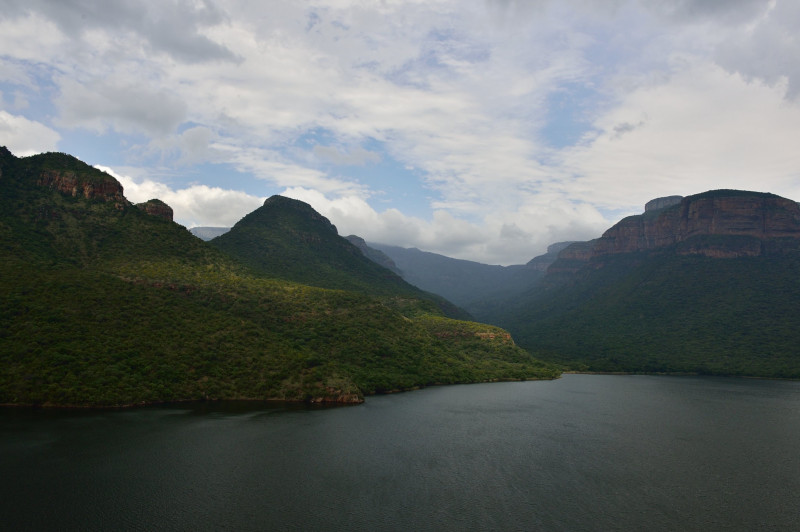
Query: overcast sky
point(483, 130)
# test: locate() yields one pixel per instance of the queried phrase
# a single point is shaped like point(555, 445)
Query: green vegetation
point(287, 239)
point(103, 304)
point(665, 312)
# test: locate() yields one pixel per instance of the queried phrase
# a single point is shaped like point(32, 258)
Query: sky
point(479, 129)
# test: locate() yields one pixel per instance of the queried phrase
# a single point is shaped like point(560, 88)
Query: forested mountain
point(287, 239)
point(707, 283)
point(103, 302)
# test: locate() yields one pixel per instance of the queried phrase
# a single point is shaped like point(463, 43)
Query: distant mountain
point(207, 233)
point(376, 256)
point(107, 303)
point(704, 284)
point(474, 286)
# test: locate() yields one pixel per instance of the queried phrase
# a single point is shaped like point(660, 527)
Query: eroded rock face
point(718, 224)
point(155, 207)
point(762, 216)
point(661, 203)
point(72, 184)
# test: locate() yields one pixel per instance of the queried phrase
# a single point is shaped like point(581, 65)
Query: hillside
point(287, 239)
point(103, 303)
point(707, 285)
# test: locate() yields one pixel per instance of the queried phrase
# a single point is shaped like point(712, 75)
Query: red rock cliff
point(724, 213)
point(104, 188)
point(719, 224)
point(156, 207)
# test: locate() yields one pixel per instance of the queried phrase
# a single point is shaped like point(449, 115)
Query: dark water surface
point(585, 452)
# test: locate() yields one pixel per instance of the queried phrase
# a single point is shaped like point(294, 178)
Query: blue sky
point(483, 129)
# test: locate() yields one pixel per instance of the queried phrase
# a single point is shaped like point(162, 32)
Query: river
point(584, 452)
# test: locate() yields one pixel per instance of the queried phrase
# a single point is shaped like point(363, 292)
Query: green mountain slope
point(287, 239)
point(104, 304)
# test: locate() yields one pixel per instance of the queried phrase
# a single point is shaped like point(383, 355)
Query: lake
point(584, 452)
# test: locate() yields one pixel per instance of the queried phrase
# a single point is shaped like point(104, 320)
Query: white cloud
point(703, 129)
point(171, 27)
point(196, 205)
point(26, 137)
point(501, 238)
point(354, 157)
point(132, 108)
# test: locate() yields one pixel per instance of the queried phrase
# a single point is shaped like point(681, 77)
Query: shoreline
point(312, 402)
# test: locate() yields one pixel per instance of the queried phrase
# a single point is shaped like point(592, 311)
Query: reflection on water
point(584, 452)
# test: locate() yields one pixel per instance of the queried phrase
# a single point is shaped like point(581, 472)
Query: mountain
point(474, 286)
point(287, 239)
point(207, 233)
point(106, 303)
point(375, 255)
point(702, 284)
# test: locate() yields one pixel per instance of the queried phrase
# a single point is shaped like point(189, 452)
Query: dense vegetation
point(103, 304)
point(288, 239)
point(666, 312)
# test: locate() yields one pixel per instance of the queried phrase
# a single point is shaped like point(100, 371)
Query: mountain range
point(107, 303)
point(699, 284)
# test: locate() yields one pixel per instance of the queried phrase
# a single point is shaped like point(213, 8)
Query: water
point(584, 452)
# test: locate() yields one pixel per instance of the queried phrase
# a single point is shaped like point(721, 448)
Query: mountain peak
point(282, 211)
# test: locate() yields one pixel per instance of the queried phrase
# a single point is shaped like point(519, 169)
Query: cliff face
point(155, 207)
point(760, 216)
point(71, 183)
point(718, 224)
point(542, 262)
point(661, 203)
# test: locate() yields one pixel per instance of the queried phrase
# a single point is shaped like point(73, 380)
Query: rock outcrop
point(719, 224)
point(542, 262)
point(101, 186)
point(156, 207)
point(661, 203)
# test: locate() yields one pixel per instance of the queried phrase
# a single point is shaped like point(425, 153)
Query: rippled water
point(584, 452)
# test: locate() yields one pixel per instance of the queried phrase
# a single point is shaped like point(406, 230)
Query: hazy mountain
point(478, 288)
point(376, 256)
point(103, 302)
point(706, 284)
point(207, 233)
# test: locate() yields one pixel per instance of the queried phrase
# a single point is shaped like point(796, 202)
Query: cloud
point(173, 27)
point(765, 47)
point(273, 167)
point(704, 129)
point(26, 137)
point(126, 108)
point(196, 205)
point(500, 238)
point(355, 157)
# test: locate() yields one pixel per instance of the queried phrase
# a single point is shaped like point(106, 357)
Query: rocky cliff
point(719, 224)
point(91, 186)
point(542, 262)
point(661, 203)
point(155, 207)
